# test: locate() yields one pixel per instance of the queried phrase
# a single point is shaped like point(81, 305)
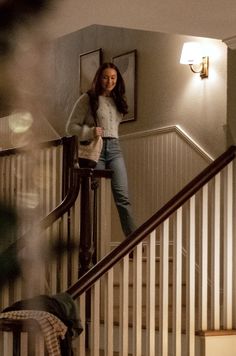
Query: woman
point(105, 102)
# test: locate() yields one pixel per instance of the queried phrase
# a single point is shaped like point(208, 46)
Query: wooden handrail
point(72, 194)
point(13, 151)
point(71, 188)
point(62, 208)
point(125, 247)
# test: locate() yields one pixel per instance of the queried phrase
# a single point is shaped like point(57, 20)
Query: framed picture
point(126, 64)
point(88, 64)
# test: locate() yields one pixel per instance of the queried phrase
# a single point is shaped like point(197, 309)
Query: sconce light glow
point(192, 54)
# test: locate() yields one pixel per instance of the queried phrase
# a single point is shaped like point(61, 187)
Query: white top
point(108, 116)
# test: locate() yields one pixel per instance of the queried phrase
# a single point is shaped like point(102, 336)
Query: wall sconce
point(192, 55)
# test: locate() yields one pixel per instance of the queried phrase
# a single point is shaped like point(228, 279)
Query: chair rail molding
point(172, 128)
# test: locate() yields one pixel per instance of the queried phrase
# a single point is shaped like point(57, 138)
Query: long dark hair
point(118, 93)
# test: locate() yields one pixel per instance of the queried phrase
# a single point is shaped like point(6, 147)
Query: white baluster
point(150, 294)
point(228, 251)
point(191, 280)
point(177, 285)
point(124, 306)
point(164, 288)
point(216, 255)
point(108, 305)
point(203, 295)
point(95, 319)
point(137, 301)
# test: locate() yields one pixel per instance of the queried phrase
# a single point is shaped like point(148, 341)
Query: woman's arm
point(80, 121)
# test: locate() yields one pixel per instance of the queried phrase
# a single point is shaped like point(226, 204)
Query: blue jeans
point(112, 158)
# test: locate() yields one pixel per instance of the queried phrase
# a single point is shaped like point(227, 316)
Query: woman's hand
point(98, 131)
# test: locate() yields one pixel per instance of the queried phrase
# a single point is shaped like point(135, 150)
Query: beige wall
point(168, 93)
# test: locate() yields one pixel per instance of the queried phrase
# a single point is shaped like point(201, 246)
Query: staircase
point(198, 223)
point(144, 296)
point(179, 284)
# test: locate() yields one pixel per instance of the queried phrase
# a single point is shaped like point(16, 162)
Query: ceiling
point(204, 18)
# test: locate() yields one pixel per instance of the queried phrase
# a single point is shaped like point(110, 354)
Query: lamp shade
point(191, 53)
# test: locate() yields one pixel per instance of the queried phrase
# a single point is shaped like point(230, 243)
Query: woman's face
point(108, 80)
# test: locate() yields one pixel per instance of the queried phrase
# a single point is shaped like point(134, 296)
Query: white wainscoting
point(159, 163)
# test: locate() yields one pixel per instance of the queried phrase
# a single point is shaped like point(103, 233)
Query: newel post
point(91, 183)
point(86, 241)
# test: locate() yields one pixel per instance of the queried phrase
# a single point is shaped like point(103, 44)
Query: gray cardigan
point(81, 121)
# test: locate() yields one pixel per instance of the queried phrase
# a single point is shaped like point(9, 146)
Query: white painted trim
point(230, 42)
point(172, 128)
point(217, 345)
point(193, 143)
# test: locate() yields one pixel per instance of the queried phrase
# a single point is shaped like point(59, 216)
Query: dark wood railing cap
point(97, 173)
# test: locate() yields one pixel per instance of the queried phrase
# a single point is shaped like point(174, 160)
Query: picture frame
point(127, 65)
point(89, 62)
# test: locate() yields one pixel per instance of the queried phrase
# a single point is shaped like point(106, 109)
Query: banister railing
point(125, 247)
point(68, 214)
point(180, 213)
point(63, 221)
point(155, 302)
point(55, 214)
point(77, 177)
point(14, 331)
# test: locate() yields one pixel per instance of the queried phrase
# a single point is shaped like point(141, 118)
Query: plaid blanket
point(52, 327)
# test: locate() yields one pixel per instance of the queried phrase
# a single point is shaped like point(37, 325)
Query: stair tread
point(116, 316)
